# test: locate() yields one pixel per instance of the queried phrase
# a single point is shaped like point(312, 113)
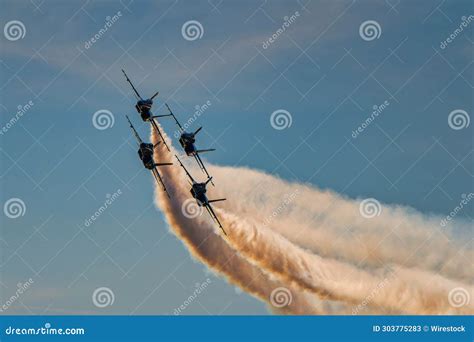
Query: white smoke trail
point(207, 245)
point(332, 226)
point(403, 290)
point(265, 256)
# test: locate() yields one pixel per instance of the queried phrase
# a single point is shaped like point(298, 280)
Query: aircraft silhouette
point(198, 191)
point(187, 141)
point(143, 107)
point(145, 152)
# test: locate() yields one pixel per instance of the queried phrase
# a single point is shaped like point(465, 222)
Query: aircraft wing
point(202, 166)
point(134, 131)
point(155, 126)
point(133, 87)
point(159, 180)
point(185, 170)
point(174, 117)
point(214, 217)
point(199, 161)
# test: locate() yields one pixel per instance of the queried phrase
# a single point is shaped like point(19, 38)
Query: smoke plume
point(316, 246)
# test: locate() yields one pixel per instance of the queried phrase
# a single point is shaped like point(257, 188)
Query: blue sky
point(320, 70)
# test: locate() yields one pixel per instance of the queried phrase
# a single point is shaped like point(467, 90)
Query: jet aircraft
point(198, 191)
point(145, 152)
point(143, 107)
point(187, 141)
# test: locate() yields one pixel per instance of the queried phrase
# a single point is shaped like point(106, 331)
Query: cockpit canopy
point(188, 138)
point(146, 148)
point(200, 188)
point(145, 103)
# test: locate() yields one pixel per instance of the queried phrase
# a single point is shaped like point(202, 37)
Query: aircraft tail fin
point(217, 200)
point(155, 95)
point(206, 150)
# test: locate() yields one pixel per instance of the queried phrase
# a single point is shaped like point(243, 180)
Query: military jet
point(143, 107)
point(145, 152)
point(187, 141)
point(198, 191)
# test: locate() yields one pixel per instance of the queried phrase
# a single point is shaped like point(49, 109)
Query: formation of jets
point(187, 141)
